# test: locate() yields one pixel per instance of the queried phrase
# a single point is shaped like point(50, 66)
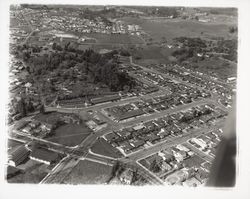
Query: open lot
point(151, 52)
point(114, 38)
point(87, 172)
point(49, 117)
point(193, 161)
point(103, 148)
point(13, 144)
point(70, 134)
point(215, 67)
point(158, 28)
point(34, 173)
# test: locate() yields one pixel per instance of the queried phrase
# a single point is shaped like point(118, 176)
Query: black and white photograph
point(122, 95)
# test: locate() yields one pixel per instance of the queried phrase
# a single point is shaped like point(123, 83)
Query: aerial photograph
point(120, 95)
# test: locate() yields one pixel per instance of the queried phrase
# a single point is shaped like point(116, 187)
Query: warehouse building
point(18, 155)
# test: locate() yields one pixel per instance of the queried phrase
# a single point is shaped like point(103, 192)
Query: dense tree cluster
point(161, 11)
point(67, 63)
point(98, 14)
point(191, 46)
point(191, 42)
point(155, 167)
point(228, 47)
point(233, 29)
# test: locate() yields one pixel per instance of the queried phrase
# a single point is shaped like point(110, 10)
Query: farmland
point(87, 172)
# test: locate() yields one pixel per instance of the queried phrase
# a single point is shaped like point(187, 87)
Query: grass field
point(70, 134)
point(193, 161)
point(34, 173)
point(215, 67)
point(150, 54)
point(13, 143)
point(158, 28)
point(103, 148)
point(114, 38)
point(87, 172)
point(50, 117)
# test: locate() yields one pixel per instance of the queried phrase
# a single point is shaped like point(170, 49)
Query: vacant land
point(87, 172)
point(34, 173)
point(193, 161)
point(13, 144)
point(70, 134)
point(102, 147)
point(114, 38)
point(150, 54)
point(159, 28)
point(49, 117)
point(215, 67)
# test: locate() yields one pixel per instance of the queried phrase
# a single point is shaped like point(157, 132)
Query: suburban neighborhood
point(118, 95)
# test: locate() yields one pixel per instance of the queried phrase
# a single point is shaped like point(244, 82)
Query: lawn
point(87, 172)
point(70, 134)
point(193, 161)
point(102, 147)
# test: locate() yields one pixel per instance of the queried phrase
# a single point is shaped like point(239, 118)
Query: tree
point(154, 166)
point(21, 107)
point(233, 29)
point(42, 108)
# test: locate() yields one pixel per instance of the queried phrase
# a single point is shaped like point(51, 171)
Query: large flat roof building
point(44, 156)
point(18, 155)
point(105, 99)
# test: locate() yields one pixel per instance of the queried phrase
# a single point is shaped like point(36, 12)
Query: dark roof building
point(130, 114)
point(105, 99)
point(18, 155)
point(44, 156)
point(137, 143)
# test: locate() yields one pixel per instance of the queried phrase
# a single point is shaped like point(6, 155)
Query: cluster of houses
point(123, 112)
point(146, 134)
point(96, 123)
point(69, 21)
point(156, 104)
point(207, 143)
point(18, 27)
point(173, 168)
point(35, 128)
point(173, 85)
point(211, 84)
